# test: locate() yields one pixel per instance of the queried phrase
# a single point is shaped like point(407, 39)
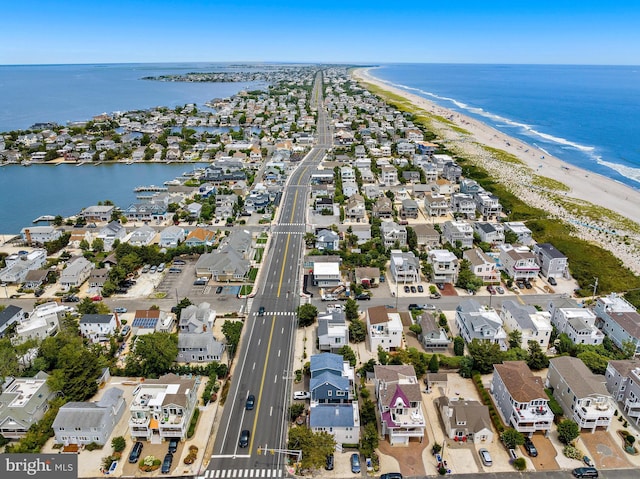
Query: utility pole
point(595, 287)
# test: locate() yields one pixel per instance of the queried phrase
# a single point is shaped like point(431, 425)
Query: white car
point(302, 395)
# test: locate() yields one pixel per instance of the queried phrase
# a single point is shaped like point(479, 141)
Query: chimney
point(27, 234)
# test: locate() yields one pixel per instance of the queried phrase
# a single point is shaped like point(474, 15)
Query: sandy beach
point(583, 187)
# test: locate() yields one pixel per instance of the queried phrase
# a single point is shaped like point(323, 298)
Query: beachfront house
point(18, 265)
point(518, 262)
point(623, 383)
point(39, 235)
point(553, 264)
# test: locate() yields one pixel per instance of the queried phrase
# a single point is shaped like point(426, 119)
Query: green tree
point(357, 331)
point(315, 446)
point(458, 346)
point(152, 355)
point(97, 245)
point(383, 356)
point(594, 361)
point(232, 331)
point(485, 354)
point(512, 438)
point(367, 412)
point(58, 220)
point(416, 329)
point(515, 338)
point(537, 358)
point(434, 364)
point(118, 444)
point(351, 309)
point(307, 314)
point(466, 278)
point(568, 430)
point(295, 410)
point(466, 366)
point(84, 245)
point(348, 354)
point(369, 439)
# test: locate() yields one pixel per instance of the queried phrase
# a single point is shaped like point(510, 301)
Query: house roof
point(86, 415)
point(327, 377)
point(96, 318)
point(379, 314)
point(628, 320)
point(624, 367)
point(521, 383)
point(7, 313)
point(474, 414)
point(549, 250)
point(392, 378)
point(328, 361)
point(333, 415)
point(579, 377)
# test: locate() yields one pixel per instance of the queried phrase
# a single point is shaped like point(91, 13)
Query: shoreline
point(582, 203)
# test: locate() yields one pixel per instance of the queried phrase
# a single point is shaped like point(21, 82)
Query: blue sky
point(490, 31)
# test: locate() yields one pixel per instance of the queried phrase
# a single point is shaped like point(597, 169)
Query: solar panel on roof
point(145, 323)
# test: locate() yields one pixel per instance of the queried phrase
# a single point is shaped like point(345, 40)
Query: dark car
point(219, 290)
point(414, 306)
point(38, 293)
point(251, 401)
point(585, 472)
point(363, 297)
point(135, 452)
point(406, 289)
point(329, 465)
point(552, 281)
point(528, 285)
point(166, 463)
point(420, 289)
point(391, 475)
point(70, 299)
point(530, 447)
point(261, 311)
point(355, 463)
point(440, 286)
point(244, 438)
point(413, 289)
point(173, 445)
point(491, 289)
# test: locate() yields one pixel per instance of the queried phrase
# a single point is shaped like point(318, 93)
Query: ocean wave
point(527, 129)
point(626, 171)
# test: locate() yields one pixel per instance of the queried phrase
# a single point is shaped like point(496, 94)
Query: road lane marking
point(259, 341)
point(254, 367)
point(286, 249)
point(271, 411)
point(275, 379)
point(264, 375)
point(279, 350)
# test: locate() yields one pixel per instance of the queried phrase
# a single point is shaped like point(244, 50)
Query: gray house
point(551, 261)
point(479, 322)
point(196, 342)
point(465, 420)
point(87, 422)
point(333, 332)
point(223, 264)
point(9, 316)
point(327, 239)
point(432, 336)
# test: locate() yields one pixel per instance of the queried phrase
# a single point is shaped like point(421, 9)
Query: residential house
point(332, 379)
point(39, 235)
point(76, 272)
point(333, 331)
point(479, 322)
point(619, 320)
point(470, 186)
point(458, 233)
point(327, 240)
point(98, 327)
point(171, 236)
point(426, 235)
point(355, 209)
point(520, 230)
point(98, 213)
point(411, 176)
point(41, 323)
point(342, 421)
point(389, 175)
point(9, 316)
point(23, 402)
point(383, 208)
point(451, 171)
point(146, 211)
point(520, 397)
point(623, 383)
point(78, 235)
point(409, 209)
point(147, 321)
point(349, 188)
point(436, 204)
point(111, 232)
point(433, 337)
point(196, 343)
point(35, 279)
point(393, 234)
point(488, 204)
point(371, 191)
point(519, 263)
point(362, 232)
point(323, 205)
point(399, 403)
point(444, 266)
point(162, 408)
point(483, 266)
point(492, 233)
point(553, 264)
point(98, 277)
point(406, 148)
point(465, 420)
point(326, 274)
point(223, 264)
point(84, 423)
point(142, 236)
point(18, 265)
point(582, 395)
point(463, 204)
point(578, 324)
point(200, 237)
point(384, 328)
point(367, 276)
point(533, 325)
point(404, 267)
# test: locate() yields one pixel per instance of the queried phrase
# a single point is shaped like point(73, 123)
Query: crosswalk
point(291, 224)
point(277, 313)
point(288, 232)
point(241, 473)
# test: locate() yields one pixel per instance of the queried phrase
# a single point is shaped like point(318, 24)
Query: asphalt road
point(263, 363)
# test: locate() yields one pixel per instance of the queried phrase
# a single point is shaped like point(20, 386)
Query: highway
point(263, 362)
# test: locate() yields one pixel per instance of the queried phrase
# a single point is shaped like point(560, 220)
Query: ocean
point(588, 116)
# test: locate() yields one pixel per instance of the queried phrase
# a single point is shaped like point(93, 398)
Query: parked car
point(219, 290)
point(491, 289)
point(179, 261)
point(96, 298)
point(585, 472)
point(244, 438)
point(520, 284)
point(329, 465)
point(528, 285)
point(355, 463)
point(420, 289)
point(413, 289)
point(125, 330)
point(435, 295)
point(161, 267)
point(251, 401)
point(440, 286)
point(120, 310)
point(391, 475)
point(500, 289)
point(406, 289)
point(530, 447)
point(175, 270)
point(70, 299)
point(173, 445)
point(552, 281)
point(145, 268)
point(414, 306)
point(429, 307)
point(153, 269)
point(302, 395)
point(135, 453)
point(166, 463)
point(363, 297)
point(200, 282)
point(485, 457)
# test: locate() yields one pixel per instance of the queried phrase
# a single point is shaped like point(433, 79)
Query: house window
point(329, 393)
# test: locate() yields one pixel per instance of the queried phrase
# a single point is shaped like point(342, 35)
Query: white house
point(76, 272)
point(483, 266)
point(444, 266)
point(98, 327)
point(518, 262)
point(404, 267)
point(171, 236)
point(578, 324)
point(458, 231)
point(333, 331)
point(42, 322)
point(521, 231)
point(479, 322)
point(533, 325)
point(18, 265)
point(384, 328)
point(326, 274)
point(40, 234)
point(142, 236)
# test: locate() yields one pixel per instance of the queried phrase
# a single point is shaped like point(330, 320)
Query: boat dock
point(153, 188)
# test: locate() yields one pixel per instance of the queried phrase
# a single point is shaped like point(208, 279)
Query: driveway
point(605, 450)
point(546, 459)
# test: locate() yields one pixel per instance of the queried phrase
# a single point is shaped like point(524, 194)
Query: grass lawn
point(258, 255)
point(253, 272)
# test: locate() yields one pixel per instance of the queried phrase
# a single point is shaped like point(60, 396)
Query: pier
point(153, 188)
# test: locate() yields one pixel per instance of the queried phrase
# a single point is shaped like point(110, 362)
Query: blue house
point(331, 379)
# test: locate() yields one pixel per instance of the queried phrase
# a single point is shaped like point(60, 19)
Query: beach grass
point(596, 214)
point(502, 155)
point(549, 183)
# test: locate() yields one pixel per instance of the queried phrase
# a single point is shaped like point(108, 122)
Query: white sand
point(584, 187)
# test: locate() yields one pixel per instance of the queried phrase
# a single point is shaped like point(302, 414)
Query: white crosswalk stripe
point(242, 473)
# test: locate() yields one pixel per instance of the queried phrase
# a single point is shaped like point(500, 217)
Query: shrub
point(572, 452)
point(295, 410)
point(118, 444)
point(92, 446)
point(520, 464)
point(194, 421)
